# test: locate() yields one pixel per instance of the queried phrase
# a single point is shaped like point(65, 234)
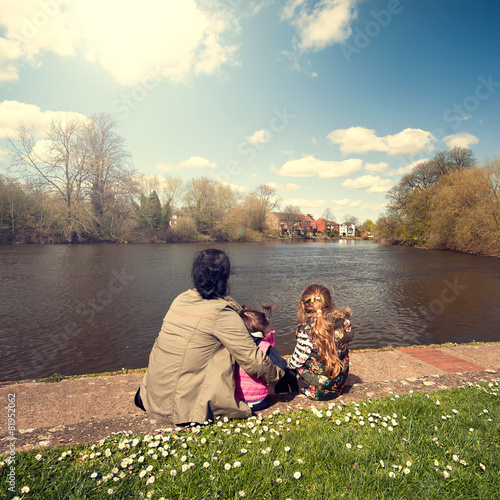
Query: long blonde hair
point(317, 304)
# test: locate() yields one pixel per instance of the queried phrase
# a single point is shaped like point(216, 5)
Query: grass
point(440, 445)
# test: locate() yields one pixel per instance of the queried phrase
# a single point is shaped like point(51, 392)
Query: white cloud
point(371, 184)
point(287, 187)
point(357, 140)
point(173, 39)
point(235, 187)
point(376, 167)
point(408, 168)
point(361, 140)
point(461, 140)
point(310, 166)
point(197, 162)
point(192, 162)
point(325, 23)
point(409, 141)
point(12, 113)
point(258, 137)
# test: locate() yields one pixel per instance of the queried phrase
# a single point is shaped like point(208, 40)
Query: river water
point(74, 309)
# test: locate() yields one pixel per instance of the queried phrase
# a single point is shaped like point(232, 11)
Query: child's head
point(256, 321)
point(317, 300)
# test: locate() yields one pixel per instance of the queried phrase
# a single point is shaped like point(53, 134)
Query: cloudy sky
point(329, 101)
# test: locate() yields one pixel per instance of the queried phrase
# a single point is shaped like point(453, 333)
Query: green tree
point(151, 211)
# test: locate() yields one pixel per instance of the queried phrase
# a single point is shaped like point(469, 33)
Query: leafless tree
point(290, 218)
point(111, 176)
point(56, 165)
point(259, 204)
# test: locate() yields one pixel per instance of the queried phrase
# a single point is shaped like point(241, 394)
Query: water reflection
point(91, 308)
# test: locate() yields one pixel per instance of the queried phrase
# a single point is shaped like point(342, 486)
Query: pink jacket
point(248, 388)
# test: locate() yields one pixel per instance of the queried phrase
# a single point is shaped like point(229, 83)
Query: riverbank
point(443, 249)
point(87, 409)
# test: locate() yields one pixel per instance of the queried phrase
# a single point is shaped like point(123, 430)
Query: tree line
point(79, 185)
point(449, 202)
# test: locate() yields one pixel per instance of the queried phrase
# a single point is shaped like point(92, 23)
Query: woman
point(190, 377)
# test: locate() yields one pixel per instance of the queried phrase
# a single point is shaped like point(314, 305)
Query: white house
point(347, 229)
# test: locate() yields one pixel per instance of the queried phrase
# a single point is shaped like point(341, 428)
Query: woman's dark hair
point(211, 269)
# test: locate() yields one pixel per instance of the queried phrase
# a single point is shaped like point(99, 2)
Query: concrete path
point(88, 409)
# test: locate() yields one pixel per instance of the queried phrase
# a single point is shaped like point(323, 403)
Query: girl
point(252, 390)
point(321, 356)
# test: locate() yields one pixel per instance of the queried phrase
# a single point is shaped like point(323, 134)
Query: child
point(321, 356)
point(252, 390)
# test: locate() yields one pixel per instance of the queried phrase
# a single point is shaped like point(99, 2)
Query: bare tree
point(209, 201)
point(328, 216)
point(261, 202)
point(111, 175)
point(289, 217)
point(57, 165)
point(170, 194)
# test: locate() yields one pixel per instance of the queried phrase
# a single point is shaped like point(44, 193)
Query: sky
point(330, 102)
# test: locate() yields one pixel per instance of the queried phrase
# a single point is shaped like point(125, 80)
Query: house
point(290, 223)
point(347, 229)
point(326, 226)
point(176, 215)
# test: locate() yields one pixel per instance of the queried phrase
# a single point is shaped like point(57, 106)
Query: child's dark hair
point(210, 272)
point(256, 321)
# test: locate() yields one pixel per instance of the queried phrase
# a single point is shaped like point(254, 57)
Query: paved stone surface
point(443, 360)
point(88, 409)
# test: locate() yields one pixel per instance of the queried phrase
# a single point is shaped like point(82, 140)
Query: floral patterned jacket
point(306, 361)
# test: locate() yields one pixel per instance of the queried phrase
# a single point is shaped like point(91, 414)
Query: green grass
point(440, 445)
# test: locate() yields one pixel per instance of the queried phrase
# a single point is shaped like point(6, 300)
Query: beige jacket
point(190, 376)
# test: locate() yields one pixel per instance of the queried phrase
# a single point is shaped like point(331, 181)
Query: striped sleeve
point(302, 351)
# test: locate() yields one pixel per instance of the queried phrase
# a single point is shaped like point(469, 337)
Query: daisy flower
point(297, 475)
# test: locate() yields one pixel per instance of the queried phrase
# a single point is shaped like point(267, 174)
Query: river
point(74, 309)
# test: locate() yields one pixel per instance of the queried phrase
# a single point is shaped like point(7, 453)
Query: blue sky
point(330, 102)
